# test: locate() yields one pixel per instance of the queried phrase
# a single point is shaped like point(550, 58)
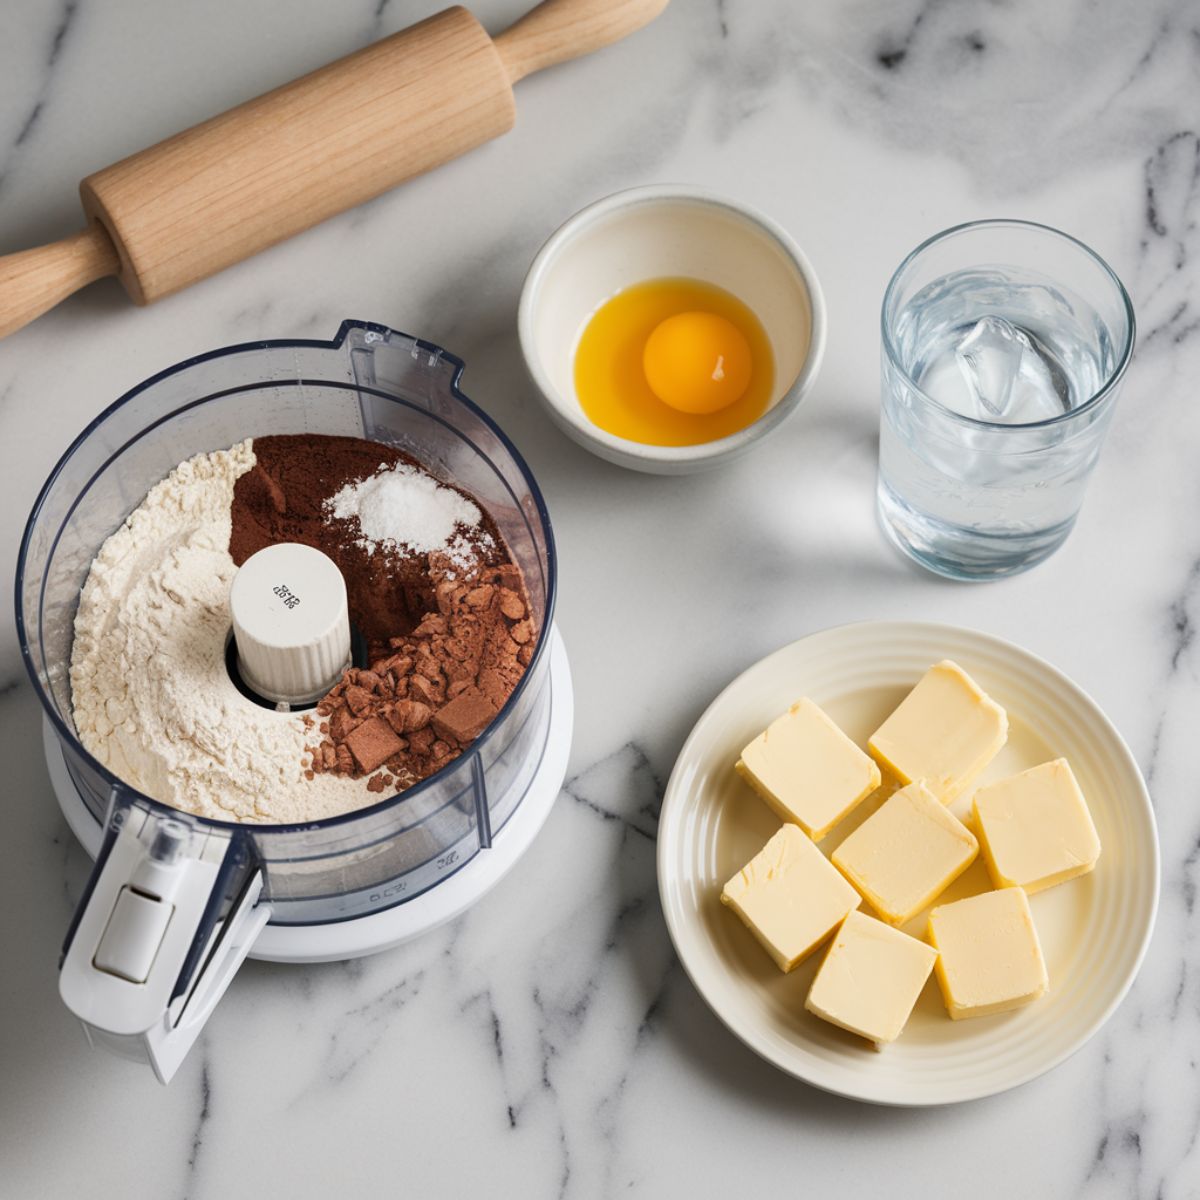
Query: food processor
point(175, 901)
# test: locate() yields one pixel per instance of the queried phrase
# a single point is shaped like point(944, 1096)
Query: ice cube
point(1008, 376)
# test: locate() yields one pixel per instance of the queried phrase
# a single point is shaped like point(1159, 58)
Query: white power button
point(291, 623)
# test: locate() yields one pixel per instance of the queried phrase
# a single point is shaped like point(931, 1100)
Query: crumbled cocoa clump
point(407, 716)
point(465, 717)
point(433, 692)
point(342, 724)
point(372, 743)
point(511, 605)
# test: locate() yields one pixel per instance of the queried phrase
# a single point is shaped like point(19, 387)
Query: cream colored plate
point(1094, 930)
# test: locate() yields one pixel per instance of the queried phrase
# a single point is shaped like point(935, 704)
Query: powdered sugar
point(402, 506)
point(463, 553)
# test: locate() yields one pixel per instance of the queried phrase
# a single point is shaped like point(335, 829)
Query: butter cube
point(808, 770)
point(790, 896)
point(945, 732)
point(906, 854)
point(989, 956)
point(870, 979)
point(1035, 828)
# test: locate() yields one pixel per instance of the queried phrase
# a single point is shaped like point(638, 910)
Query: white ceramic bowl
point(655, 232)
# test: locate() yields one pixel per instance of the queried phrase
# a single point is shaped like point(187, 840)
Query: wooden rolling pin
point(272, 167)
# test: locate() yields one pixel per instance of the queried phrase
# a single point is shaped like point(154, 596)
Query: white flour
point(153, 701)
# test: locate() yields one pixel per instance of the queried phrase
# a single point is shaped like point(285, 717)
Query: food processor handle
point(559, 30)
point(169, 914)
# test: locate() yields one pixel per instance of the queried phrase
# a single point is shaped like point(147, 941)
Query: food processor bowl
point(143, 978)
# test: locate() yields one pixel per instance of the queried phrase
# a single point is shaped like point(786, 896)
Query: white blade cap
point(291, 623)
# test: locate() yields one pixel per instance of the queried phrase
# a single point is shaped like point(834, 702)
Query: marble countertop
point(548, 1043)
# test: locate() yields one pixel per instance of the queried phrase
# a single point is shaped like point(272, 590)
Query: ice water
point(981, 468)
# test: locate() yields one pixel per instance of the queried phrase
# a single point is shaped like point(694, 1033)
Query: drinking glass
point(1004, 345)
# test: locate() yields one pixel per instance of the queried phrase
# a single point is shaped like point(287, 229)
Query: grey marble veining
point(548, 1044)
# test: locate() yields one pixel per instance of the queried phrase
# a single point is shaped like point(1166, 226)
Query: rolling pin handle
point(32, 281)
point(559, 30)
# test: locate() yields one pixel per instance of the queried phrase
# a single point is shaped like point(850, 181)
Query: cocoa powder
point(447, 642)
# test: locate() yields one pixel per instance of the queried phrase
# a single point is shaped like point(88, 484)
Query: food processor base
point(378, 931)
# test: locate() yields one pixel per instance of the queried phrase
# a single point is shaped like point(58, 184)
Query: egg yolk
point(697, 362)
point(673, 362)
